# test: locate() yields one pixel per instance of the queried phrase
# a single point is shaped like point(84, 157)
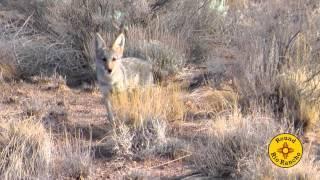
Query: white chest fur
point(118, 78)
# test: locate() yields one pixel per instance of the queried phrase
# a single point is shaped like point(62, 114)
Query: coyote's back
point(115, 73)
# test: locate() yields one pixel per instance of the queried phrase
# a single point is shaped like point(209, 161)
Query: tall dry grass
point(159, 102)
point(156, 44)
point(72, 158)
point(143, 115)
point(208, 102)
point(279, 62)
point(26, 150)
point(8, 67)
point(300, 84)
point(235, 146)
point(238, 4)
point(278, 70)
point(262, 168)
point(29, 151)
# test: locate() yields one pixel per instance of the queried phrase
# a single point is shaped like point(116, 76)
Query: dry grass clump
point(72, 159)
point(143, 115)
point(32, 107)
point(37, 53)
point(6, 95)
point(233, 142)
point(25, 150)
point(299, 85)
point(50, 83)
point(262, 168)
point(122, 137)
point(147, 103)
point(8, 66)
point(302, 95)
point(197, 23)
point(141, 141)
point(55, 38)
point(166, 51)
point(34, 147)
point(55, 117)
point(146, 140)
point(207, 102)
point(237, 4)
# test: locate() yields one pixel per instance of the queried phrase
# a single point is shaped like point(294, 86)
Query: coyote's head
point(109, 57)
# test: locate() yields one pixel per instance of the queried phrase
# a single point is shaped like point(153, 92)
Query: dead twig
point(24, 24)
point(169, 162)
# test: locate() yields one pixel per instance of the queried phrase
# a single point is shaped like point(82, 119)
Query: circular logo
point(285, 150)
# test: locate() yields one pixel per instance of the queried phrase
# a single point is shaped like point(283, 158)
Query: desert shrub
point(45, 44)
point(38, 54)
point(238, 4)
point(270, 48)
point(56, 36)
point(196, 22)
point(207, 102)
point(279, 47)
point(151, 102)
point(8, 67)
point(299, 83)
point(66, 29)
point(140, 141)
point(233, 142)
point(72, 159)
point(32, 107)
point(149, 135)
point(157, 45)
point(302, 95)
point(146, 140)
point(54, 82)
point(26, 150)
point(262, 168)
point(55, 117)
point(123, 137)
point(142, 116)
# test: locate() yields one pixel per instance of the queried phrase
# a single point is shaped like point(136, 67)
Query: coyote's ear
point(118, 45)
point(100, 44)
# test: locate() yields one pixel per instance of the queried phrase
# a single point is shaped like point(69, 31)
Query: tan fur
point(115, 73)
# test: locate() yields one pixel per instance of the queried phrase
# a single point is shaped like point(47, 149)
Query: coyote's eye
point(114, 59)
point(104, 59)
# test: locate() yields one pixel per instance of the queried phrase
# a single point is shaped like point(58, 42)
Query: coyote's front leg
point(107, 103)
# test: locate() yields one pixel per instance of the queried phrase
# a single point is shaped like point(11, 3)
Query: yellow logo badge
point(285, 150)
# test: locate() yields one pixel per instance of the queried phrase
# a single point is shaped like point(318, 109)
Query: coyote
point(115, 73)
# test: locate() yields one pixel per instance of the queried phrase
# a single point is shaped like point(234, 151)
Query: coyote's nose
point(110, 70)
